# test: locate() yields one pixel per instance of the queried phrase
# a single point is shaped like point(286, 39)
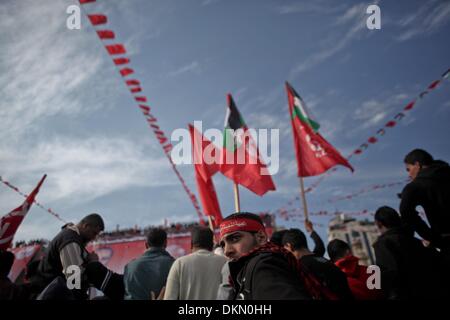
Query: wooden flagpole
point(302, 193)
point(237, 202)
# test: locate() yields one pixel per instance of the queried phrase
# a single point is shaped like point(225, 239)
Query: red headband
point(239, 224)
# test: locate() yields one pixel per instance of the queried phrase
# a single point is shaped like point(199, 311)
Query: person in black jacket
point(330, 276)
point(430, 189)
point(68, 249)
point(259, 270)
point(408, 269)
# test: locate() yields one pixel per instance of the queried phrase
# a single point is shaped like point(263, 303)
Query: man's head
point(277, 237)
point(6, 262)
point(416, 160)
point(240, 233)
point(294, 240)
point(202, 238)
point(156, 238)
point(387, 218)
point(338, 249)
point(91, 226)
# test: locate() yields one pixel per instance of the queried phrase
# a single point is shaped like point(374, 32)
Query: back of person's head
point(6, 262)
point(338, 249)
point(93, 220)
point(202, 238)
point(277, 237)
point(388, 217)
point(156, 238)
point(296, 238)
point(420, 156)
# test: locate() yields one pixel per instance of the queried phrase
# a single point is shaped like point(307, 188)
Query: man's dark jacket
point(430, 190)
point(408, 269)
point(264, 275)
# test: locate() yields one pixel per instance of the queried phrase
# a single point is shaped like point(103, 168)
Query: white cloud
point(191, 67)
point(425, 21)
point(313, 7)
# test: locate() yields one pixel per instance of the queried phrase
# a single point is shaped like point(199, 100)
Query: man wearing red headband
point(259, 270)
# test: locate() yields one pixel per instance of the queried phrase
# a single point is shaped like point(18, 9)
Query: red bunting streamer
point(9, 185)
point(120, 61)
point(105, 34)
point(86, 1)
point(126, 71)
point(133, 82)
point(114, 49)
point(97, 19)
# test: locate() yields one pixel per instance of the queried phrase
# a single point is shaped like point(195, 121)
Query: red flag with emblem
point(314, 154)
point(11, 222)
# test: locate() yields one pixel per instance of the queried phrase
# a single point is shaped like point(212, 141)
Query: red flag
point(105, 34)
point(116, 49)
point(11, 222)
point(241, 161)
point(86, 1)
point(140, 99)
point(126, 71)
point(314, 154)
point(136, 90)
point(204, 173)
point(391, 124)
point(97, 19)
point(120, 61)
point(133, 83)
point(434, 84)
point(409, 106)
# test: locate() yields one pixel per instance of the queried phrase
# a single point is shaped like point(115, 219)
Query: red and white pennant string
point(117, 51)
point(9, 185)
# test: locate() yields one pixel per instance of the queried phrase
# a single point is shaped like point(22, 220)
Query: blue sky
point(65, 111)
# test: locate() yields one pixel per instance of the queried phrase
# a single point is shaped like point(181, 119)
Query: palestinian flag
point(240, 156)
point(314, 154)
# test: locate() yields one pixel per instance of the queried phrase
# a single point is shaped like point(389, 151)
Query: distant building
point(360, 235)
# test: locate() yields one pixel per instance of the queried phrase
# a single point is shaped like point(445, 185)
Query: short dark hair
point(388, 217)
point(6, 262)
point(156, 237)
point(420, 156)
point(246, 215)
point(337, 249)
point(202, 237)
point(95, 220)
point(296, 238)
point(277, 237)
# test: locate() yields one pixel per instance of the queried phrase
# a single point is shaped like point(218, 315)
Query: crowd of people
point(244, 264)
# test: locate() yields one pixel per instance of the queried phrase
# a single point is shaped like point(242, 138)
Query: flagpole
point(211, 226)
point(302, 193)
point(237, 202)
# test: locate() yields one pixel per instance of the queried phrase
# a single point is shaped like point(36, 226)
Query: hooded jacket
point(430, 190)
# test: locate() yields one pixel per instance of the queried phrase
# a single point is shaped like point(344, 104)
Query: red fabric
point(434, 84)
point(314, 154)
point(105, 34)
point(409, 106)
point(140, 99)
point(136, 90)
point(391, 124)
point(372, 140)
point(252, 173)
point(357, 278)
point(132, 82)
point(115, 49)
point(203, 175)
point(86, 1)
point(145, 109)
point(120, 61)
point(23, 256)
point(97, 19)
point(11, 222)
point(239, 224)
point(126, 71)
